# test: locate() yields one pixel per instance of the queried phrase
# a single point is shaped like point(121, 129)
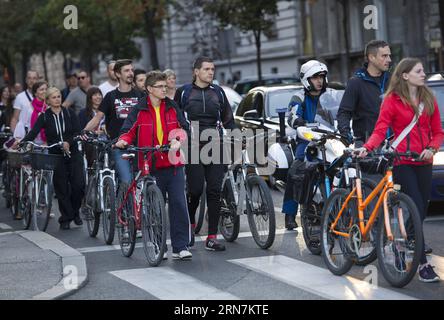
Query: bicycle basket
point(303, 175)
point(16, 159)
point(43, 161)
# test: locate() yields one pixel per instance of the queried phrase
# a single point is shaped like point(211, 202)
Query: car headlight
point(438, 159)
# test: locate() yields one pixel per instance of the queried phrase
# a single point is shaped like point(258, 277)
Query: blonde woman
point(62, 125)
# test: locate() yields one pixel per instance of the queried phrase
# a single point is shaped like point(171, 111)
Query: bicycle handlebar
point(160, 148)
point(21, 144)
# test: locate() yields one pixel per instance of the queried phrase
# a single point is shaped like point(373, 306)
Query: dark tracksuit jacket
point(361, 103)
point(68, 180)
point(205, 106)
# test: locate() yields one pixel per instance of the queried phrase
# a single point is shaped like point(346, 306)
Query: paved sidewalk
point(35, 265)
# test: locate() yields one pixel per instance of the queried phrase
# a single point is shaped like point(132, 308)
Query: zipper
point(203, 98)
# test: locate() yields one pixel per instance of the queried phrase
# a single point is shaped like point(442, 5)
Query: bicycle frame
point(384, 187)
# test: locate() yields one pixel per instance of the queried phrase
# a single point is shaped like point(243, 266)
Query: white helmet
point(311, 68)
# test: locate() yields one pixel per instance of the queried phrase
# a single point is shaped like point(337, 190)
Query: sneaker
point(52, 215)
point(427, 274)
point(214, 245)
point(78, 221)
point(183, 255)
point(139, 234)
point(64, 225)
point(165, 256)
point(427, 249)
point(290, 222)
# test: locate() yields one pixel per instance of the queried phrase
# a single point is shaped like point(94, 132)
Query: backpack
point(187, 90)
point(304, 175)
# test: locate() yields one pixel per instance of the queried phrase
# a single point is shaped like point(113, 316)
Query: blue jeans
point(123, 167)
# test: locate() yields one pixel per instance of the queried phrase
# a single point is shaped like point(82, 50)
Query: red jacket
point(396, 115)
point(145, 130)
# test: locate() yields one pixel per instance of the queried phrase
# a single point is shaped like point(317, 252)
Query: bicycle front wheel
point(261, 217)
point(399, 256)
point(92, 218)
point(334, 247)
point(109, 210)
point(43, 203)
point(153, 224)
point(14, 191)
point(126, 231)
point(229, 222)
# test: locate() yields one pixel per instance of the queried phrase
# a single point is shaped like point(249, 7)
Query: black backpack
point(304, 175)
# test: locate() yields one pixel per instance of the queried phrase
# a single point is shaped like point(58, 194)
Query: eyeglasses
point(81, 78)
point(160, 87)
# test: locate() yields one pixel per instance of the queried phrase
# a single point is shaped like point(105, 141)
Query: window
point(246, 104)
point(274, 70)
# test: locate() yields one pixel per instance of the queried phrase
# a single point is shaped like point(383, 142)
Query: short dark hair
point(373, 46)
point(37, 85)
point(153, 76)
point(82, 70)
point(200, 60)
point(138, 71)
point(121, 63)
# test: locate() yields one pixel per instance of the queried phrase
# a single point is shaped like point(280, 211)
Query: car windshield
point(439, 93)
point(278, 99)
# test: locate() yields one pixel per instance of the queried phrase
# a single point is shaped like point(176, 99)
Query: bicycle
point(100, 198)
point(399, 238)
point(36, 188)
point(245, 192)
point(5, 168)
point(141, 206)
point(316, 182)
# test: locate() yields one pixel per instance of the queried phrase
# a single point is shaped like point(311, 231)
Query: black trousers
point(69, 186)
point(213, 174)
point(416, 182)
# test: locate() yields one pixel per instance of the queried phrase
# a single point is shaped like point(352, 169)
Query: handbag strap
point(409, 128)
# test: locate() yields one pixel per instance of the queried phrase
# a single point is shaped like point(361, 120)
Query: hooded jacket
point(361, 103)
point(396, 115)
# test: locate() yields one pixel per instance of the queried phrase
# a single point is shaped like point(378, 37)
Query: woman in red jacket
point(157, 124)
point(407, 91)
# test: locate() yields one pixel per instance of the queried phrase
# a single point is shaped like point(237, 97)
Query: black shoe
point(427, 249)
point(214, 245)
point(290, 222)
point(78, 221)
point(64, 225)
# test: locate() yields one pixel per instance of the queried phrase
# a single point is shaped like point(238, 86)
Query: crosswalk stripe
point(4, 226)
point(197, 239)
point(317, 280)
point(168, 284)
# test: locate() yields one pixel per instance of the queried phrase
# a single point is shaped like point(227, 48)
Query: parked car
point(233, 97)
point(246, 84)
point(438, 160)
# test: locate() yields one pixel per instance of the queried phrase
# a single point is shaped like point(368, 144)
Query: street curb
point(71, 258)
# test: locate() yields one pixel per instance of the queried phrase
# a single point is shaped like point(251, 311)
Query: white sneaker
point(183, 255)
point(139, 234)
point(52, 215)
point(165, 256)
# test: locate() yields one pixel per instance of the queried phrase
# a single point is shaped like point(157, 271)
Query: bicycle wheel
point(260, 211)
point(43, 203)
point(229, 222)
point(399, 257)
point(25, 205)
point(311, 226)
point(334, 247)
point(109, 210)
point(367, 250)
point(14, 192)
point(127, 231)
point(202, 210)
point(154, 223)
point(92, 217)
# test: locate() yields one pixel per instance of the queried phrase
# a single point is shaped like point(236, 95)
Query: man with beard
point(115, 107)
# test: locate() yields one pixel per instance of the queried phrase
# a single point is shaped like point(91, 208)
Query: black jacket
point(361, 103)
point(58, 128)
point(204, 105)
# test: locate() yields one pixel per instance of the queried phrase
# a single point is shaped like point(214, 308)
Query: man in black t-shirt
point(115, 107)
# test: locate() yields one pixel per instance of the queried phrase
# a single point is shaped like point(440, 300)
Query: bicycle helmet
point(310, 69)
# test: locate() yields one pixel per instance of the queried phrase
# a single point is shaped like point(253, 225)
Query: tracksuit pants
point(171, 180)
point(69, 186)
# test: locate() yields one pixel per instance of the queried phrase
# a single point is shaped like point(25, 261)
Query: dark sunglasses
point(81, 78)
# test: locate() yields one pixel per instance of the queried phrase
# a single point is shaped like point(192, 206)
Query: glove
point(298, 122)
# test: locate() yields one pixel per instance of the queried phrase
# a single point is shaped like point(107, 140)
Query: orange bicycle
point(347, 226)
